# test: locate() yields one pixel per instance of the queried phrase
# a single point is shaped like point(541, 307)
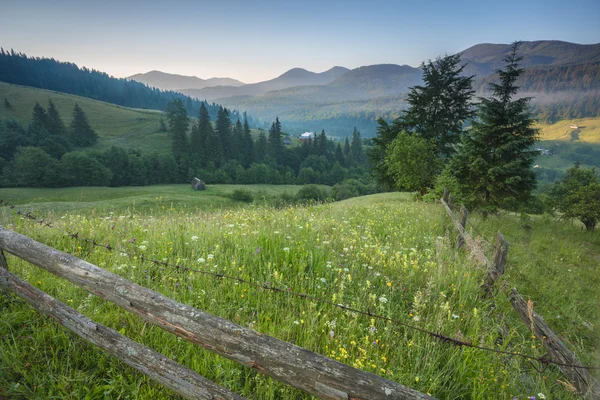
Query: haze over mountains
point(338, 99)
point(166, 81)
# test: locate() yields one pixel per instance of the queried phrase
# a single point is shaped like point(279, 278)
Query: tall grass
point(382, 253)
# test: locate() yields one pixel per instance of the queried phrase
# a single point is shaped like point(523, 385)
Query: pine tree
point(322, 143)
point(339, 154)
point(356, 151)
point(248, 144)
point(223, 128)
point(238, 140)
point(7, 104)
point(55, 124)
point(437, 111)
point(274, 144)
point(82, 133)
point(493, 163)
point(346, 147)
point(260, 147)
point(211, 147)
point(179, 124)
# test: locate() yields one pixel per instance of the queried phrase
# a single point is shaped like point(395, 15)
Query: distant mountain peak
point(167, 81)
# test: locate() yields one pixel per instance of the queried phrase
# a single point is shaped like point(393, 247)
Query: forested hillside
point(65, 77)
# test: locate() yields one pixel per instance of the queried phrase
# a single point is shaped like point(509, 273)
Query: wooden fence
point(573, 369)
point(315, 374)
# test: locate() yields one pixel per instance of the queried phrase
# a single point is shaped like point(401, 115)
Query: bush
point(343, 191)
point(312, 193)
point(242, 195)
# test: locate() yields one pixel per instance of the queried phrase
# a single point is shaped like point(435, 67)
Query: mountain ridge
point(167, 81)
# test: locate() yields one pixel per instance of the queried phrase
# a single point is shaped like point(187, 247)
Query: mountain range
point(164, 81)
point(563, 78)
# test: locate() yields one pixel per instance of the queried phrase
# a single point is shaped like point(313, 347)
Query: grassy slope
point(116, 125)
point(355, 252)
point(589, 131)
point(134, 199)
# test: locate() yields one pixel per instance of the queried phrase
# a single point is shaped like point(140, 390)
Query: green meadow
point(385, 253)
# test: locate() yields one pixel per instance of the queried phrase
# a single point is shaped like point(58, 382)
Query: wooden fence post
point(3, 263)
point(445, 195)
point(463, 221)
point(579, 376)
point(496, 269)
point(451, 201)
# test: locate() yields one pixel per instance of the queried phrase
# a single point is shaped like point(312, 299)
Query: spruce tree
point(356, 151)
point(211, 148)
point(55, 124)
point(274, 143)
point(260, 148)
point(238, 140)
point(248, 144)
point(82, 133)
point(322, 143)
point(179, 124)
point(438, 109)
point(339, 154)
point(346, 147)
point(493, 163)
point(7, 104)
point(223, 128)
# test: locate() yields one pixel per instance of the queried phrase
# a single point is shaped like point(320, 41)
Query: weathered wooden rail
point(573, 369)
point(315, 374)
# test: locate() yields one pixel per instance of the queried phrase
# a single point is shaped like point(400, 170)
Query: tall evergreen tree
point(55, 124)
point(339, 154)
point(179, 124)
point(260, 148)
point(223, 128)
point(438, 109)
point(7, 104)
point(274, 144)
point(356, 151)
point(208, 140)
point(386, 133)
point(238, 140)
point(346, 147)
point(322, 143)
point(248, 144)
point(82, 133)
point(493, 163)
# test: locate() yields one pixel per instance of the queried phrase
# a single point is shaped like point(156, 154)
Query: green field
point(588, 130)
point(136, 199)
point(384, 253)
point(116, 126)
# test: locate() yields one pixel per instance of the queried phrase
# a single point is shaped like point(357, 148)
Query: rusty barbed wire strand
point(544, 360)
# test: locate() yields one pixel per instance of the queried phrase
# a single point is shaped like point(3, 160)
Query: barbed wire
point(544, 360)
point(514, 269)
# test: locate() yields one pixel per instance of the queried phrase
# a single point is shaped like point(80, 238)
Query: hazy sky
point(257, 40)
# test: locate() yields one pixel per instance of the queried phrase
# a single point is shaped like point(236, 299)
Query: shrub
point(242, 195)
point(343, 191)
point(312, 193)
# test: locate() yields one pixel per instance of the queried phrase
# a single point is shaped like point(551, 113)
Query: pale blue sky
point(258, 40)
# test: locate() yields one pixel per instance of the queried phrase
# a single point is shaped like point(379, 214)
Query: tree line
point(50, 74)
point(50, 154)
point(227, 152)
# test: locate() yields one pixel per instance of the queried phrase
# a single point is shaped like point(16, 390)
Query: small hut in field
point(197, 184)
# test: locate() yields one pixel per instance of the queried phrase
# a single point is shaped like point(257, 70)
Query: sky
point(258, 40)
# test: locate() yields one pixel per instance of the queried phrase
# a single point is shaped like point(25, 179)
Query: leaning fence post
point(445, 195)
point(3, 262)
point(496, 269)
point(463, 221)
point(451, 201)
